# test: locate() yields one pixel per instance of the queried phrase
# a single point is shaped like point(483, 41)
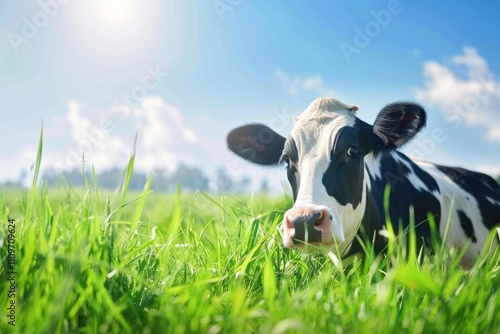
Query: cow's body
point(340, 166)
point(454, 198)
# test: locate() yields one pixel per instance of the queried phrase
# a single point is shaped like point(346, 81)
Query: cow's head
point(325, 155)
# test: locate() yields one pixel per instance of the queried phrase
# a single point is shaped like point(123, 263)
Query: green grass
point(93, 261)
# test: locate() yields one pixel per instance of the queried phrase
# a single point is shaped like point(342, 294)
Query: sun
point(115, 11)
point(112, 32)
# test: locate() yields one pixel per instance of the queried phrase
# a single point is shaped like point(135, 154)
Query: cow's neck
point(373, 218)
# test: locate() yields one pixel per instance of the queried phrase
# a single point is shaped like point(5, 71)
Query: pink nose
point(306, 224)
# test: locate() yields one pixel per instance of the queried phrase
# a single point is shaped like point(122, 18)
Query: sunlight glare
point(116, 10)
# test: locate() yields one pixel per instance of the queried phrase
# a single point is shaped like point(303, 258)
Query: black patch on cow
point(293, 176)
point(372, 222)
point(364, 132)
point(343, 178)
point(290, 151)
point(480, 186)
point(256, 143)
point(403, 195)
point(290, 156)
point(467, 226)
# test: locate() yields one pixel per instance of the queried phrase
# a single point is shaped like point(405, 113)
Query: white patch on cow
point(372, 164)
point(327, 108)
point(412, 177)
point(452, 199)
point(352, 219)
point(492, 201)
point(314, 133)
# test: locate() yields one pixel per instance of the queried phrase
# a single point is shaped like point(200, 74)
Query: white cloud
point(79, 124)
point(313, 83)
point(493, 170)
point(164, 137)
point(477, 66)
point(465, 91)
point(161, 122)
point(297, 84)
point(99, 147)
point(163, 134)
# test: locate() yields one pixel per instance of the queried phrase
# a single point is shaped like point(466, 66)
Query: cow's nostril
point(319, 220)
point(305, 227)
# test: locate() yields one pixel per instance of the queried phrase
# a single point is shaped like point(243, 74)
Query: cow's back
point(470, 205)
point(462, 203)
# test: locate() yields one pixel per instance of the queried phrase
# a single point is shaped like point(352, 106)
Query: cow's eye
point(353, 152)
point(284, 158)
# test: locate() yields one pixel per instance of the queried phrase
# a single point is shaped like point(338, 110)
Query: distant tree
point(244, 184)
point(189, 178)
point(109, 178)
point(224, 182)
point(49, 176)
point(23, 177)
point(21, 180)
point(11, 184)
point(498, 178)
point(73, 177)
point(160, 180)
point(264, 186)
point(138, 180)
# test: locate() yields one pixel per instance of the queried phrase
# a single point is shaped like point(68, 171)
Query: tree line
point(189, 178)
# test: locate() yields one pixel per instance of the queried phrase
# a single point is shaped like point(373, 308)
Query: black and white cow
point(338, 167)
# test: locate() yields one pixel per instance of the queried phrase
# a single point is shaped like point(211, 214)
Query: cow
point(339, 167)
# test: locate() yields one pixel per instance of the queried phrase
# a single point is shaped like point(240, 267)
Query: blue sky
point(181, 74)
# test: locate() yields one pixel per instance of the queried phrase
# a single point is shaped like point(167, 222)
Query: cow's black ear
point(256, 143)
point(398, 122)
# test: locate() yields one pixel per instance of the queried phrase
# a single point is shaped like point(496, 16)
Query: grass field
point(93, 261)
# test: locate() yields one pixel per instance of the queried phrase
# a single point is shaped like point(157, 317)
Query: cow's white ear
point(256, 143)
point(397, 123)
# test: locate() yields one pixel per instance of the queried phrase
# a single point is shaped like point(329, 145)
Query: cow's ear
point(398, 122)
point(256, 143)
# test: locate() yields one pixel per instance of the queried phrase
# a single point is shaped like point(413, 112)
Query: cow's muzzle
point(306, 225)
